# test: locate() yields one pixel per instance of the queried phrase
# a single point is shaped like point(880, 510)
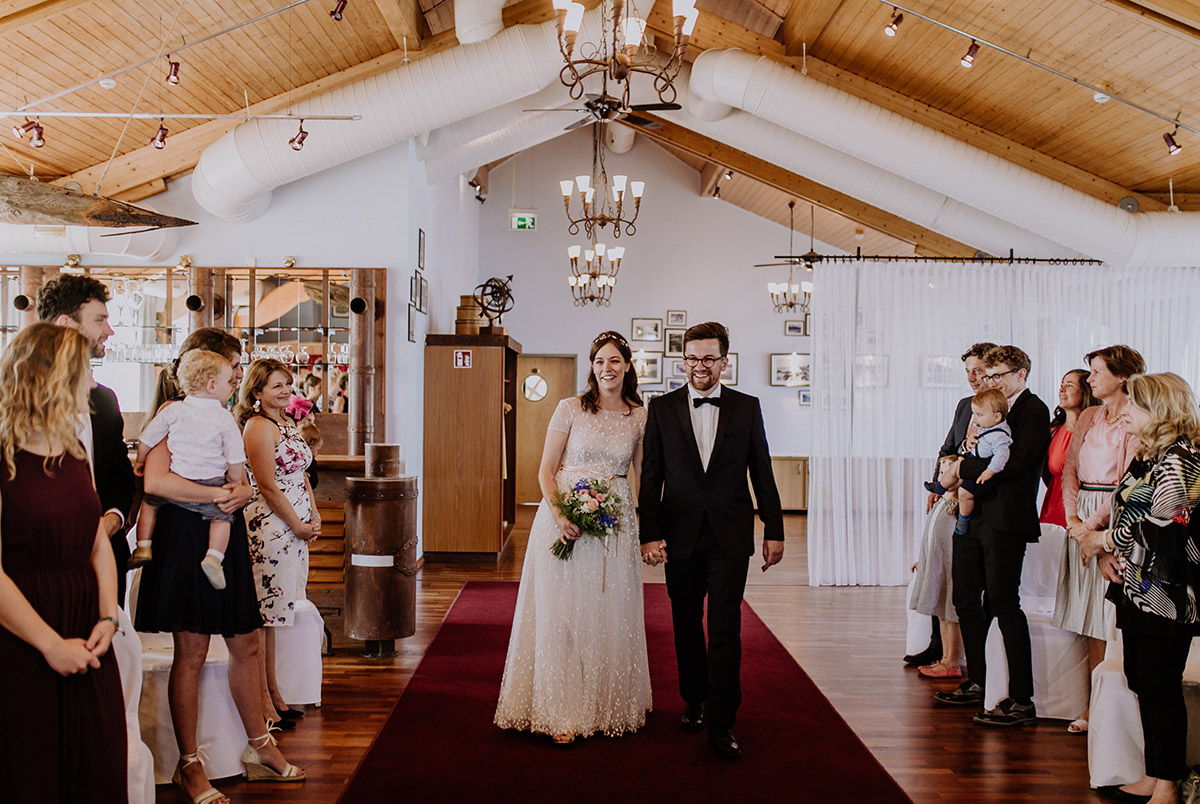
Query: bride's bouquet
point(592, 506)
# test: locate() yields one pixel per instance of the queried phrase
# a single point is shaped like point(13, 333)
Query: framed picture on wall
point(796, 328)
point(729, 375)
point(421, 249)
point(805, 395)
point(674, 343)
point(646, 330)
point(648, 395)
point(791, 370)
point(675, 367)
point(414, 287)
point(412, 323)
point(676, 318)
point(424, 295)
point(870, 371)
point(675, 383)
point(648, 366)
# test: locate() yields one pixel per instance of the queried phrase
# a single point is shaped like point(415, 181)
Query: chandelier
point(593, 283)
point(792, 296)
point(623, 49)
point(599, 204)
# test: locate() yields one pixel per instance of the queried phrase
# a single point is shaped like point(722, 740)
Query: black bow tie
point(715, 401)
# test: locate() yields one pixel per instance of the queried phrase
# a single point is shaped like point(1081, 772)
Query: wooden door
point(542, 380)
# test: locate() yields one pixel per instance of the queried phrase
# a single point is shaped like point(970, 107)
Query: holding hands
point(655, 553)
point(70, 656)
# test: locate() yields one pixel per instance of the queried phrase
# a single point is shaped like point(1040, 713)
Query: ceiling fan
point(807, 260)
point(604, 108)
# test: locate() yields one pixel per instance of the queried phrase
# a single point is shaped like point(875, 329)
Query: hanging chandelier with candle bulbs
point(593, 281)
point(623, 49)
point(792, 296)
point(599, 203)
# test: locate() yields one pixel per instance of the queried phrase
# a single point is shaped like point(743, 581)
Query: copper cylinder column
point(381, 554)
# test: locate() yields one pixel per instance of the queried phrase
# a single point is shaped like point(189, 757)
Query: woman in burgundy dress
point(62, 712)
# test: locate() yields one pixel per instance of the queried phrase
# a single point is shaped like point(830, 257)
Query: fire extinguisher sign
point(462, 358)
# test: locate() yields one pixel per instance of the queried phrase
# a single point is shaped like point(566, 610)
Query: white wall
point(689, 253)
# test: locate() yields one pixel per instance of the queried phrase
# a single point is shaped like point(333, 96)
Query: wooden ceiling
point(1145, 51)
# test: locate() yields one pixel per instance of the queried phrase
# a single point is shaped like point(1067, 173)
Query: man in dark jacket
point(81, 303)
point(988, 559)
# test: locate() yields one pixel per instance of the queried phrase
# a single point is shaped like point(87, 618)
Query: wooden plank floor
point(849, 640)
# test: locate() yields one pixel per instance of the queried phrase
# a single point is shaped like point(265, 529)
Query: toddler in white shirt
point(206, 447)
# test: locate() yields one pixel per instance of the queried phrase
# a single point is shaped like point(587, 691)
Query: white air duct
point(877, 187)
point(948, 166)
point(236, 174)
point(447, 138)
point(531, 130)
point(620, 138)
point(477, 20)
point(147, 246)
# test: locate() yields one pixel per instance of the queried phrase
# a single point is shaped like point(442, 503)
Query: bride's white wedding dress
point(577, 655)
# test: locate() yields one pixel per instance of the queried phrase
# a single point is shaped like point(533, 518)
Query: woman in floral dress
point(281, 518)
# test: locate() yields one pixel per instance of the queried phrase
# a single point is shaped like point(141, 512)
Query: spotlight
point(473, 184)
point(35, 139)
point(717, 191)
point(897, 18)
point(20, 131)
point(969, 59)
point(297, 142)
point(1173, 147)
point(172, 72)
point(728, 175)
point(337, 10)
point(160, 138)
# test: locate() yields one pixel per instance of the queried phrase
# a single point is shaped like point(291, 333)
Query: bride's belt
point(586, 470)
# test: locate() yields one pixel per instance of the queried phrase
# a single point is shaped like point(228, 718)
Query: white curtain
point(886, 376)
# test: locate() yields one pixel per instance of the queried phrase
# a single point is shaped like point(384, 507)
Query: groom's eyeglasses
point(707, 361)
point(992, 379)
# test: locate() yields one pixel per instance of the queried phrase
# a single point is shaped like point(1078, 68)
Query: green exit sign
point(522, 220)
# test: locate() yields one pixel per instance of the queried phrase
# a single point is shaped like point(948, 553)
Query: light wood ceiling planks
point(1144, 50)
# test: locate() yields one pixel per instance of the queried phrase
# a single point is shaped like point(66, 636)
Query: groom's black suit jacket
point(112, 470)
point(676, 491)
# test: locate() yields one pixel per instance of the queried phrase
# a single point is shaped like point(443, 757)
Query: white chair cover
point(1060, 660)
point(1116, 748)
point(919, 627)
point(219, 731)
point(127, 649)
point(298, 656)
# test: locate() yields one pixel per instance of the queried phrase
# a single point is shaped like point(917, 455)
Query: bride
point(577, 655)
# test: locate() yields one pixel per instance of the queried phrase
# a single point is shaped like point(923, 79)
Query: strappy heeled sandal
point(256, 771)
point(210, 796)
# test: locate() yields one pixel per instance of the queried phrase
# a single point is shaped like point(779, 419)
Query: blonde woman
point(281, 519)
point(61, 706)
point(1151, 556)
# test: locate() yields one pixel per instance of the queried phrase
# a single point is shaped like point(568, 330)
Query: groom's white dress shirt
point(704, 421)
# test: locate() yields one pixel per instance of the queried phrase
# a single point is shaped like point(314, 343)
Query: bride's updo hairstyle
point(590, 399)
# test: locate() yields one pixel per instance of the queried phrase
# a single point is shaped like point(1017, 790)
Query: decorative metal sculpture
point(495, 298)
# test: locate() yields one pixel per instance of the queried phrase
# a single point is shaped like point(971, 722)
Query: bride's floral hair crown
point(611, 336)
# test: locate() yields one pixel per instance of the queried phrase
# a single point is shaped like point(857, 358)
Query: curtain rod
point(1011, 259)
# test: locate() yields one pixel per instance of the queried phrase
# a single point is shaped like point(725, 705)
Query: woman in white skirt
point(1100, 453)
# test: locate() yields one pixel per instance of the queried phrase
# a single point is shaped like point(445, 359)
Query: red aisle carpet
point(439, 743)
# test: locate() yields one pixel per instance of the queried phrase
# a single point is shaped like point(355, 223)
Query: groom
point(700, 443)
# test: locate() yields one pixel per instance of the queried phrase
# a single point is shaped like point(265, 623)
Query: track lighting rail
point(1011, 259)
point(976, 39)
point(29, 106)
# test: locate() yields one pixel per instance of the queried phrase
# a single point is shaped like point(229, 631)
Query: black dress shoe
point(966, 694)
point(283, 724)
point(1113, 792)
point(927, 656)
point(724, 744)
point(290, 713)
point(692, 718)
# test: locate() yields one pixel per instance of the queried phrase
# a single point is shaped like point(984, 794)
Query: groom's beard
point(704, 383)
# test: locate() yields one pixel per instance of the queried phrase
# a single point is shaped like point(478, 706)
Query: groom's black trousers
point(708, 674)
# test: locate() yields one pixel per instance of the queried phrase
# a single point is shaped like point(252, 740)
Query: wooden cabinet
point(469, 489)
point(791, 478)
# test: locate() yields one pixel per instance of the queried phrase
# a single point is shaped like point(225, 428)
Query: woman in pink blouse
point(1099, 454)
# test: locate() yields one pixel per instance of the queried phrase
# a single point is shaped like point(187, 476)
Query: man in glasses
point(701, 442)
point(988, 559)
point(942, 654)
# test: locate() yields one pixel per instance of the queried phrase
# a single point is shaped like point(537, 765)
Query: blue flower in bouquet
point(592, 506)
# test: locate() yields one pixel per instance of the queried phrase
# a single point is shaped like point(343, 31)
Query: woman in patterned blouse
point(1151, 554)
